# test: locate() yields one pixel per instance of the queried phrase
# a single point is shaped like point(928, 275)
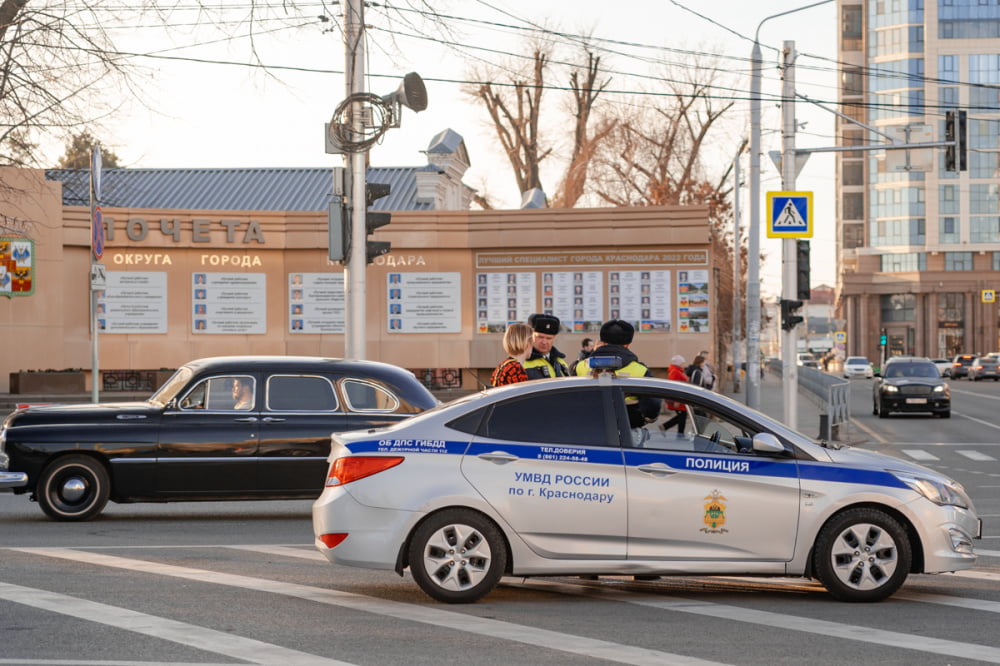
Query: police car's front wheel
point(457, 556)
point(862, 555)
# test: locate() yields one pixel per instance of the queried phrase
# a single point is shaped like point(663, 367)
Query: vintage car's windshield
point(172, 386)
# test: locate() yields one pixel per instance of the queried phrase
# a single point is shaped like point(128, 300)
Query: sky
point(204, 102)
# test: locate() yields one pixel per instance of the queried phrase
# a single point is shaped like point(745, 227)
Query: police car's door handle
point(498, 457)
point(656, 469)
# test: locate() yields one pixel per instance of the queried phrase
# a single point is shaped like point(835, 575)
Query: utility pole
point(736, 269)
point(355, 163)
point(789, 273)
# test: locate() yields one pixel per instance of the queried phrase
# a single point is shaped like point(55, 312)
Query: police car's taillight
point(346, 470)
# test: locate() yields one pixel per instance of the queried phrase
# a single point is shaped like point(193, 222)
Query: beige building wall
point(50, 329)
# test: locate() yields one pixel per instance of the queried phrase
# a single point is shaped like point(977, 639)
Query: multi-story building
point(918, 245)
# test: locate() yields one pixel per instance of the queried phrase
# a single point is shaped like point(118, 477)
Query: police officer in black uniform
point(545, 360)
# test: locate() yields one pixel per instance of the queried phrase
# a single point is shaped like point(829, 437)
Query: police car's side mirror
point(765, 442)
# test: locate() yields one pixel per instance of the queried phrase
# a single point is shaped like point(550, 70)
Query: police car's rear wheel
point(862, 555)
point(457, 556)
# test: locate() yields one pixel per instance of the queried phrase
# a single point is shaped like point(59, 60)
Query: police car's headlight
point(950, 493)
point(889, 388)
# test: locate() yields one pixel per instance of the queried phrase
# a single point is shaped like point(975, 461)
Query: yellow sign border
point(771, 233)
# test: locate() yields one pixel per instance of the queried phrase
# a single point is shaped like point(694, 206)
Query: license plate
point(916, 401)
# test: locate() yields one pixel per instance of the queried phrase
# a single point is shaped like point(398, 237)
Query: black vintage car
point(910, 384)
point(226, 428)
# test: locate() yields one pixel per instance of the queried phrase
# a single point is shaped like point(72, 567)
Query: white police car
point(571, 477)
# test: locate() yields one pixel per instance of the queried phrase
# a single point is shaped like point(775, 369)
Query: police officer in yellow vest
point(616, 336)
point(545, 360)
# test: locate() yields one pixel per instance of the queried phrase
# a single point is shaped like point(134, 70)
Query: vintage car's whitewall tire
point(73, 488)
point(457, 556)
point(862, 555)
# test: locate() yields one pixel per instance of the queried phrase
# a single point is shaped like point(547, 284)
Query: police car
point(563, 477)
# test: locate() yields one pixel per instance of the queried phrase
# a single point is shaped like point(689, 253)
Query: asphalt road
point(240, 583)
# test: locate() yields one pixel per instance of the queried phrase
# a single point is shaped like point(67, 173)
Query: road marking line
point(976, 455)
point(552, 640)
point(720, 613)
point(920, 454)
point(980, 421)
point(868, 431)
point(201, 638)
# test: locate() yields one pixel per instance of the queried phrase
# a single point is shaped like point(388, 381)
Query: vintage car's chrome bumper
point(13, 480)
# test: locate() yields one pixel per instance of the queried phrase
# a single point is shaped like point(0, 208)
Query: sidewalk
point(772, 404)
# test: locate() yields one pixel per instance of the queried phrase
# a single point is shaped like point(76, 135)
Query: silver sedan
point(630, 476)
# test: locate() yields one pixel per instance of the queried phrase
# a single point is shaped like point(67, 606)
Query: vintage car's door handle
point(247, 419)
point(656, 469)
point(272, 419)
point(501, 457)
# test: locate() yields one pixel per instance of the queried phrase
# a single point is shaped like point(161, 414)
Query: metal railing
point(830, 393)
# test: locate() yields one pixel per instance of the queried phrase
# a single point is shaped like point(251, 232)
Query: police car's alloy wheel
point(862, 555)
point(73, 488)
point(457, 556)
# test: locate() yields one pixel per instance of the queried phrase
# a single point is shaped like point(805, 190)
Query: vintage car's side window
point(230, 392)
point(364, 396)
point(300, 393)
point(558, 417)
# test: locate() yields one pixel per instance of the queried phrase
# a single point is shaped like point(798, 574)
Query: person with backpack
point(696, 372)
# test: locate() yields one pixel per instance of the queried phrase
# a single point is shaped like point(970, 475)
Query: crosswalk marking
point(183, 633)
point(977, 456)
point(920, 454)
point(552, 640)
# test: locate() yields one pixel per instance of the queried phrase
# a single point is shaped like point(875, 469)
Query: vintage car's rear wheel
point(73, 488)
point(862, 555)
point(457, 556)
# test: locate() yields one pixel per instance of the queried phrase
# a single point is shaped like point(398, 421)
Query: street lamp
point(753, 241)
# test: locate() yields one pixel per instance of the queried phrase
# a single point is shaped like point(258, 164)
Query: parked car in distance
point(943, 365)
point(574, 476)
point(910, 384)
point(984, 367)
point(858, 366)
point(225, 428)
point(806, 359)
point(960, 365)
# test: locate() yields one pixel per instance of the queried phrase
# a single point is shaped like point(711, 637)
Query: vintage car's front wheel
point(457, 556)
point(73, 488)
point(862, 555)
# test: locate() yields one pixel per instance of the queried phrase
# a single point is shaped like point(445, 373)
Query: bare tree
point(586, 90)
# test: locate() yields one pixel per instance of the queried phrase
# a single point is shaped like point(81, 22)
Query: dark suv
point(909, 384)
point(960, 366)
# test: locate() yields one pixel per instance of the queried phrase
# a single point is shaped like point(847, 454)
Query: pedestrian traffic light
point(883, 339)
point(374, 220)
point(789, 319)
point(955, 130)
point(339, 231)
point(803, 289)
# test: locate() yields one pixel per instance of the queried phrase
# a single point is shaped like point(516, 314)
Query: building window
point(898, 307)
point(853, 205)
point(996, 261)
point(948, 232)
point(852, 173)
point(851, 28)
point(984, 165)
point(904, 262)
point(951, 307)
point(984, 229)
point(984, 198)
point(947, 201)
point(958, 261)
point(854, 236)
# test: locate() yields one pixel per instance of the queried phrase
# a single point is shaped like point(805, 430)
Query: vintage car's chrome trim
point(13, 479)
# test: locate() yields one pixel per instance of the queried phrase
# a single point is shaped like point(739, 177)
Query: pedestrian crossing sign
point(790, 214)
point(989, 296)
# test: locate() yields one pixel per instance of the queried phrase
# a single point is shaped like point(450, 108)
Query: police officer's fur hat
point(544, 323)
point(617, 332)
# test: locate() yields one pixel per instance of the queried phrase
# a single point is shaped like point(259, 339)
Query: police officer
point(616, 336)
point(545, 360)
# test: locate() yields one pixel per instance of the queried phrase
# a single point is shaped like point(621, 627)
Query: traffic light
point(803, 290)
point(955, 130)
point(789, 319)
point(373, 220)
point(883, 339)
